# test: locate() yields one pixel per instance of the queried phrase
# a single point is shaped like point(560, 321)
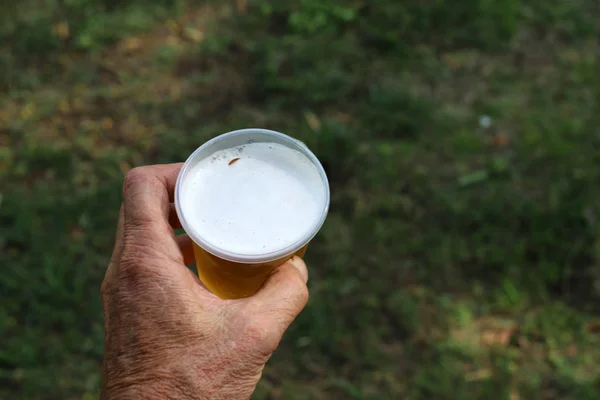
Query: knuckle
point(302, 295)
point(135, 252)
point(104, 290)
point(259, 338)
point(139, 247)
point(134, 269)
point(130, 272)
point(132, 277)
point(141, 259)
point(140, 224)
point(130, 261)
point(134, 177)
point(298, 294)
point(256, 331)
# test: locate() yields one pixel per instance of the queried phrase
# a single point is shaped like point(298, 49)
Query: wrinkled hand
point(167, 336)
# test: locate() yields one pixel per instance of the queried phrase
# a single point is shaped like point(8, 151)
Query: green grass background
point(460, 259)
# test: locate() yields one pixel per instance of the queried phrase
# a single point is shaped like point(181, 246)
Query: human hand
point(166, 335)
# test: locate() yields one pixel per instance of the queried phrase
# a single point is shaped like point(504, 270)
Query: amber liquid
point(231, 280)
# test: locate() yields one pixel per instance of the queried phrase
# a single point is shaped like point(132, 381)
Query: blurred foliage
point(460, 257)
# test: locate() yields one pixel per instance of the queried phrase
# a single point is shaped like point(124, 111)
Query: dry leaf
point(342, 117)
point(173, 41)
point(173, 26)
point(107, 124)
point(64, 106)
point(241, 6)
point(573, 55)
point(501, 140)
point(131, 44)
point(503, 336)
point(478, 375)
point(593, 326)
point(76, 232)
point(27, 111)
point(61, 30)
point(497, 337)
point(572, 350)
point(193, 34)
point(450, 62)
point(312, 120)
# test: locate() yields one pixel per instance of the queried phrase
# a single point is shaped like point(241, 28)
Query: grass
point(460, 258)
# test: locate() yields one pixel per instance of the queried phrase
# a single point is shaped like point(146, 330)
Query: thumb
point(283, 296)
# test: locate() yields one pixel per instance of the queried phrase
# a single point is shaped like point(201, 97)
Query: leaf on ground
point(62, 30)
point(312, 120)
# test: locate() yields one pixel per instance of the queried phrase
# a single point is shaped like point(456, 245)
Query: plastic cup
point(232, 275)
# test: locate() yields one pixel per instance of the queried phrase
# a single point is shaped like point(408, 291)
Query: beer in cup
point(250, 200)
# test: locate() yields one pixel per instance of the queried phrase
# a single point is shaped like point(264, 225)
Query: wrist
point(167, 384)
point(147, 392)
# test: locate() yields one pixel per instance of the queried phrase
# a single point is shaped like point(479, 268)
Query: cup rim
point(252, 258)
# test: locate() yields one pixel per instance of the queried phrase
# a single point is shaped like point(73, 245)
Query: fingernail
point(299, 264)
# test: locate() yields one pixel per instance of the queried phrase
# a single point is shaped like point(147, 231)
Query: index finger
point(147, 193)
point(282, 297)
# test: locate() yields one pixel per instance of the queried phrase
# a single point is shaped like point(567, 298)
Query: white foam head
point(253, 199)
